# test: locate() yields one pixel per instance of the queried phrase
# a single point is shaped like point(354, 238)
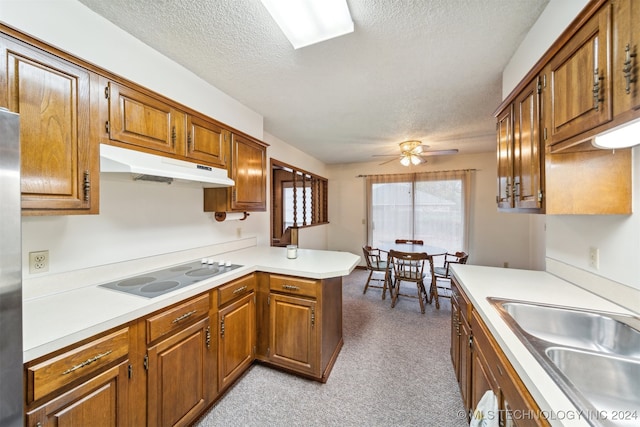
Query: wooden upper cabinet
point(207, 141)
point(505, 158)
point(248, 169)
point(581, 80)
point(626, 41)
point(144, 121)
point(59, 153)
point(527, 148)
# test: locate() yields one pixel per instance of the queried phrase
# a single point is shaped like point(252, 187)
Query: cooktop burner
point(156, 283)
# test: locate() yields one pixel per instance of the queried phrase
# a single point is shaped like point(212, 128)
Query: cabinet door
point(144, 121)
point(482, 381)
point(581, 80)
point(59, 162)
point(208, 142)
point(626, 38)
point(455, 337)
point(293, 342)
point(249, 171)
point(527, 164)
point(237, 342)
point(634, 46)
point(505, 159)
point(100, 401)
point(466, 382)
point(181, 376)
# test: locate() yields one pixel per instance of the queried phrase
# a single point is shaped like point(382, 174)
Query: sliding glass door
point(432, 207)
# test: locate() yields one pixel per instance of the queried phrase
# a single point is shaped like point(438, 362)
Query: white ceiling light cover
point(306, 22)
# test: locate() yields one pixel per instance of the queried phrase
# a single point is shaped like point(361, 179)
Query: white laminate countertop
point(537, 286)
point(55, 320)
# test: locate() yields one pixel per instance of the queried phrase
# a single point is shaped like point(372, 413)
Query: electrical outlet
point(594, 258)
point(38, 262)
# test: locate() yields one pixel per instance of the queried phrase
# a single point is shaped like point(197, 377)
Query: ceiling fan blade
point(438, 152)
point(389, 161)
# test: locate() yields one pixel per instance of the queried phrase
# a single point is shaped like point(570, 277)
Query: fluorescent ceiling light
point(623, 136)
point(306, 22)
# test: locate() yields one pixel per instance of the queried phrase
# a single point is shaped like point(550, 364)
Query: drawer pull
point(240, 289)
point(87, 362)
point(184, 316)
point(290, 287)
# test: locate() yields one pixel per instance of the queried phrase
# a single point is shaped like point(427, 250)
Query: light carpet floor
point(393, 370)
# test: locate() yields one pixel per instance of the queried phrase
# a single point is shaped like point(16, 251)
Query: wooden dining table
point(412, 247)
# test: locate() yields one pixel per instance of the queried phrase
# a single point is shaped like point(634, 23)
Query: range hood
point(149, 167)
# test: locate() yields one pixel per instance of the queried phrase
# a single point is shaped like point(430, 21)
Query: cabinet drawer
point(293, 285)
point(79, 362)
point(235, 289)
point(175, 318)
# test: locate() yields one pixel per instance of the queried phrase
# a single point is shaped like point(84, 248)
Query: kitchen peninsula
point(82, 340)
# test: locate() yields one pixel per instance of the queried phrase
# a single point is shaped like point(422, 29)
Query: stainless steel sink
point(593, 356)
point(597, 331)
point(611, 384)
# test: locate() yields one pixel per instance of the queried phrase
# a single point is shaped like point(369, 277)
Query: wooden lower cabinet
point(460, 341)
point(236, 339)
point(301, 327)
point(83, 384)
point(294, 336)
point(99, 401)
point(180, 376)
point(167, 368)
point(492, 370)
point(480, 365)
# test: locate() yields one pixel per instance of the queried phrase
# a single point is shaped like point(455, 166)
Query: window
point(431, 206)
point(298, 199)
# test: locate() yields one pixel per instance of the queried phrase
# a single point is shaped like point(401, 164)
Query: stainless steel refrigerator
point(11, 389)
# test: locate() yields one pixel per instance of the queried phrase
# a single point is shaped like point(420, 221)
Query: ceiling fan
point(413, 153)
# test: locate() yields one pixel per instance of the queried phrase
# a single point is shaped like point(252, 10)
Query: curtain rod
point(409, 173)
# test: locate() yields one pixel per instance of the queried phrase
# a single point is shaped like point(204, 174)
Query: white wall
point(139, 219)
point(555, 18)
point(568, 238)
point(495, 238)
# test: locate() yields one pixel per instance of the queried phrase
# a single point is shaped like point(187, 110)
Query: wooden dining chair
point(409, 241)
point(441, 285)
point(410, 267)
point(376, 260)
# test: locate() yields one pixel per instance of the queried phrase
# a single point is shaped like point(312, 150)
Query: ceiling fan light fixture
point(405, 161)
point(409, 146)
point(305, 22)
point(416, 160)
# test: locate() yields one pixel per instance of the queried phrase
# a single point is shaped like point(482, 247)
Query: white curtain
point(430, 206)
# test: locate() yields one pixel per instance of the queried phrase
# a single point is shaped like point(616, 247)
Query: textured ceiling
point(412, 69)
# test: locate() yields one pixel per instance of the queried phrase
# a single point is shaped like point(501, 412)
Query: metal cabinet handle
point(596, 90)
point(290, 287)
point(87, 362)
point(184, 316)
point(240, 289)
point(628, 68)
point(86, 182)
